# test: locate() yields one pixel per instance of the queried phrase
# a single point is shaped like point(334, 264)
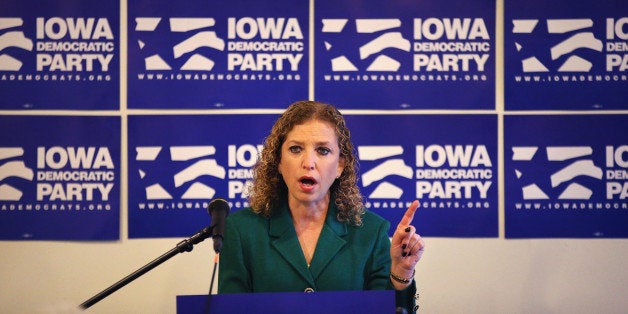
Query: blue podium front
point(328, 302)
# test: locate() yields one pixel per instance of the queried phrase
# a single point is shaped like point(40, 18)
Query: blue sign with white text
point(207, 54)
point(405, 54)
point(566, 176)
point(58, 182)
point(447, 162)
point(56, 56)
point(178, 164)
point(566, 55)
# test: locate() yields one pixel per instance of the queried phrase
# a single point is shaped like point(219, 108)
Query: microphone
point(218, 209)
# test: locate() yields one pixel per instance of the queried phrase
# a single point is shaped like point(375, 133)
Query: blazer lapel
point(330, 242)
point(284, 240)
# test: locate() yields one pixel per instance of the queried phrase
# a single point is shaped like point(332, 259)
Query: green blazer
point(264, 255)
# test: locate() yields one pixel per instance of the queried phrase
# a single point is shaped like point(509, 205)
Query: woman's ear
point(341, 167)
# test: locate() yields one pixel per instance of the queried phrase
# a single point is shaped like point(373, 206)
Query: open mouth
point(307, 181)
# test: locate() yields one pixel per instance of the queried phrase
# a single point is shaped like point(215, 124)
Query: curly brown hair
point(269, 189)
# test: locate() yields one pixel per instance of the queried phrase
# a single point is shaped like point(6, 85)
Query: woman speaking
point(307, 228)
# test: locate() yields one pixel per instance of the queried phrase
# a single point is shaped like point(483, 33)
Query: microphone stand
point(184, 246)
point(211, 284)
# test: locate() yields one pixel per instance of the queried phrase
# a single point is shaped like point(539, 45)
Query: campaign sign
point(435, 54)
point(447, 162)
point(566, 176)
point(216, 54)
point(566, 55)
point(179, 163)
point(55, 56)
point(57, 180)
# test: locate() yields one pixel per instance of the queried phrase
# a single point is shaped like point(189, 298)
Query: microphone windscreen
point(217, 207)
point(219, 210)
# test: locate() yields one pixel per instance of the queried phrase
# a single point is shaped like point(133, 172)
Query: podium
point(328, 302)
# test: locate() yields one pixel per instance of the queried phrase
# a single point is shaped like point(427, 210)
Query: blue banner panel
point(59, 181)
point(405, 54)
point(447, 162)
point(216, 54)
point(178, 164)
point(566, 55)
point(566, 176)
point(56, 56)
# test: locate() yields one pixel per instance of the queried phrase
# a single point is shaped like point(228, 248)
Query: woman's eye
point(294, 149)
point(323, 150)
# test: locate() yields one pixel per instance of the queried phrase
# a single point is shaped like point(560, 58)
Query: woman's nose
point(308, 160)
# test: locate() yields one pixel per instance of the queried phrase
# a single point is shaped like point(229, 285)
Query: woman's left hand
point(406, 247)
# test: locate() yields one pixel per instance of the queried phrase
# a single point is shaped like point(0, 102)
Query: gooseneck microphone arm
point(184, 246)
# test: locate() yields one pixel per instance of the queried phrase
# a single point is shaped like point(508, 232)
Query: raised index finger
point(409, 215)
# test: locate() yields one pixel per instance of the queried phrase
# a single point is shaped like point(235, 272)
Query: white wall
point(455, 275)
